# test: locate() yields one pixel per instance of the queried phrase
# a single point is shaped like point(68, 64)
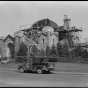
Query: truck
point(38, 64)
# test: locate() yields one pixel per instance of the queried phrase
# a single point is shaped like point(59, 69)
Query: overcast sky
point(14, 14)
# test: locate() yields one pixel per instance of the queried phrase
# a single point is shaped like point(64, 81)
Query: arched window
point(53, 41)
point(43, 40)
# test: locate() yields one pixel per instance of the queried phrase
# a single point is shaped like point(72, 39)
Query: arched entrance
point(10, 51)
point(7, 49)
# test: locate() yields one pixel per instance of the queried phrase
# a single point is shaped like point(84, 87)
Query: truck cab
point(39, 64)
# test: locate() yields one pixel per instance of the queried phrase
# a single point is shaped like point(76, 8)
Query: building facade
point(42, 33)
point(41, 38)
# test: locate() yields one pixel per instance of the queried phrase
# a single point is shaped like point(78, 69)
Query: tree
point(53, 50)
point(23, 51)
point(42, 53)
point(65, 49)
point(80, 52)
point(77, 51)
point(53, 54)
point(70, 45)
point(71, 37)
point(34, 51)
point(59, 49)
point(48, 51)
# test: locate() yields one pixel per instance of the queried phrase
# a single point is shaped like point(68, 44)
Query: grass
point(9, 66)
point(59, 66)
point(71, 67)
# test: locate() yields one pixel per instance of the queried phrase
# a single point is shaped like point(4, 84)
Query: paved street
point(14, 78)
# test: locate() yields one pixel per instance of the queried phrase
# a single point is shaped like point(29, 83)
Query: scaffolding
point(69, 33)
point(64, 31)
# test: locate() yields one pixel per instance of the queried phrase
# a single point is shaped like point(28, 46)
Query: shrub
point(53, 51)
point(48, 51)
point(42, 53)
point(59, 49)
point(23, 51)
point(34, 51)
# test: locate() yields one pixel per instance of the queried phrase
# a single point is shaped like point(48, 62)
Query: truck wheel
point(39, 71)
point(21, 70)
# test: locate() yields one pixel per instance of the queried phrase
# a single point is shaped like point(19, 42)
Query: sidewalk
point(8, 69)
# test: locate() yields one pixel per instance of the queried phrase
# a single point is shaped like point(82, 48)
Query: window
point(53, 41)
point(43, 40)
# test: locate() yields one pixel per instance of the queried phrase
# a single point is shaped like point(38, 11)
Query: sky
point(14, 14)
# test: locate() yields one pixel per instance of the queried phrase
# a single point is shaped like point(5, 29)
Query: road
point(16, 79)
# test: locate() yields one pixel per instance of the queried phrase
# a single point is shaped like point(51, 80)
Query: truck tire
point(39, 71)
point(21, 70)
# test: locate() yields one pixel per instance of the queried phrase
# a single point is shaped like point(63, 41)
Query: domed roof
point(44, 22)
point(47, 29)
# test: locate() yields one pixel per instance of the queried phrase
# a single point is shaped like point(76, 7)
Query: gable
point(9, 37)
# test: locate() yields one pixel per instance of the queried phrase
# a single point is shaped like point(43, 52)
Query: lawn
point(59, 66)
point(71, 67)
point(8, 66)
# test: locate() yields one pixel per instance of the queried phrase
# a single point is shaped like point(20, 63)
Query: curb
point(56, 72)
point(71, 73)
point(8, 69)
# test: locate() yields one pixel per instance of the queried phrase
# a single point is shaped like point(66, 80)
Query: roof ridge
point(30, 40)
point(8, 36)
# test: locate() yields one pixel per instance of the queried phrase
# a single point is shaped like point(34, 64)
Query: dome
point(47, 29)
point(44, 22)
